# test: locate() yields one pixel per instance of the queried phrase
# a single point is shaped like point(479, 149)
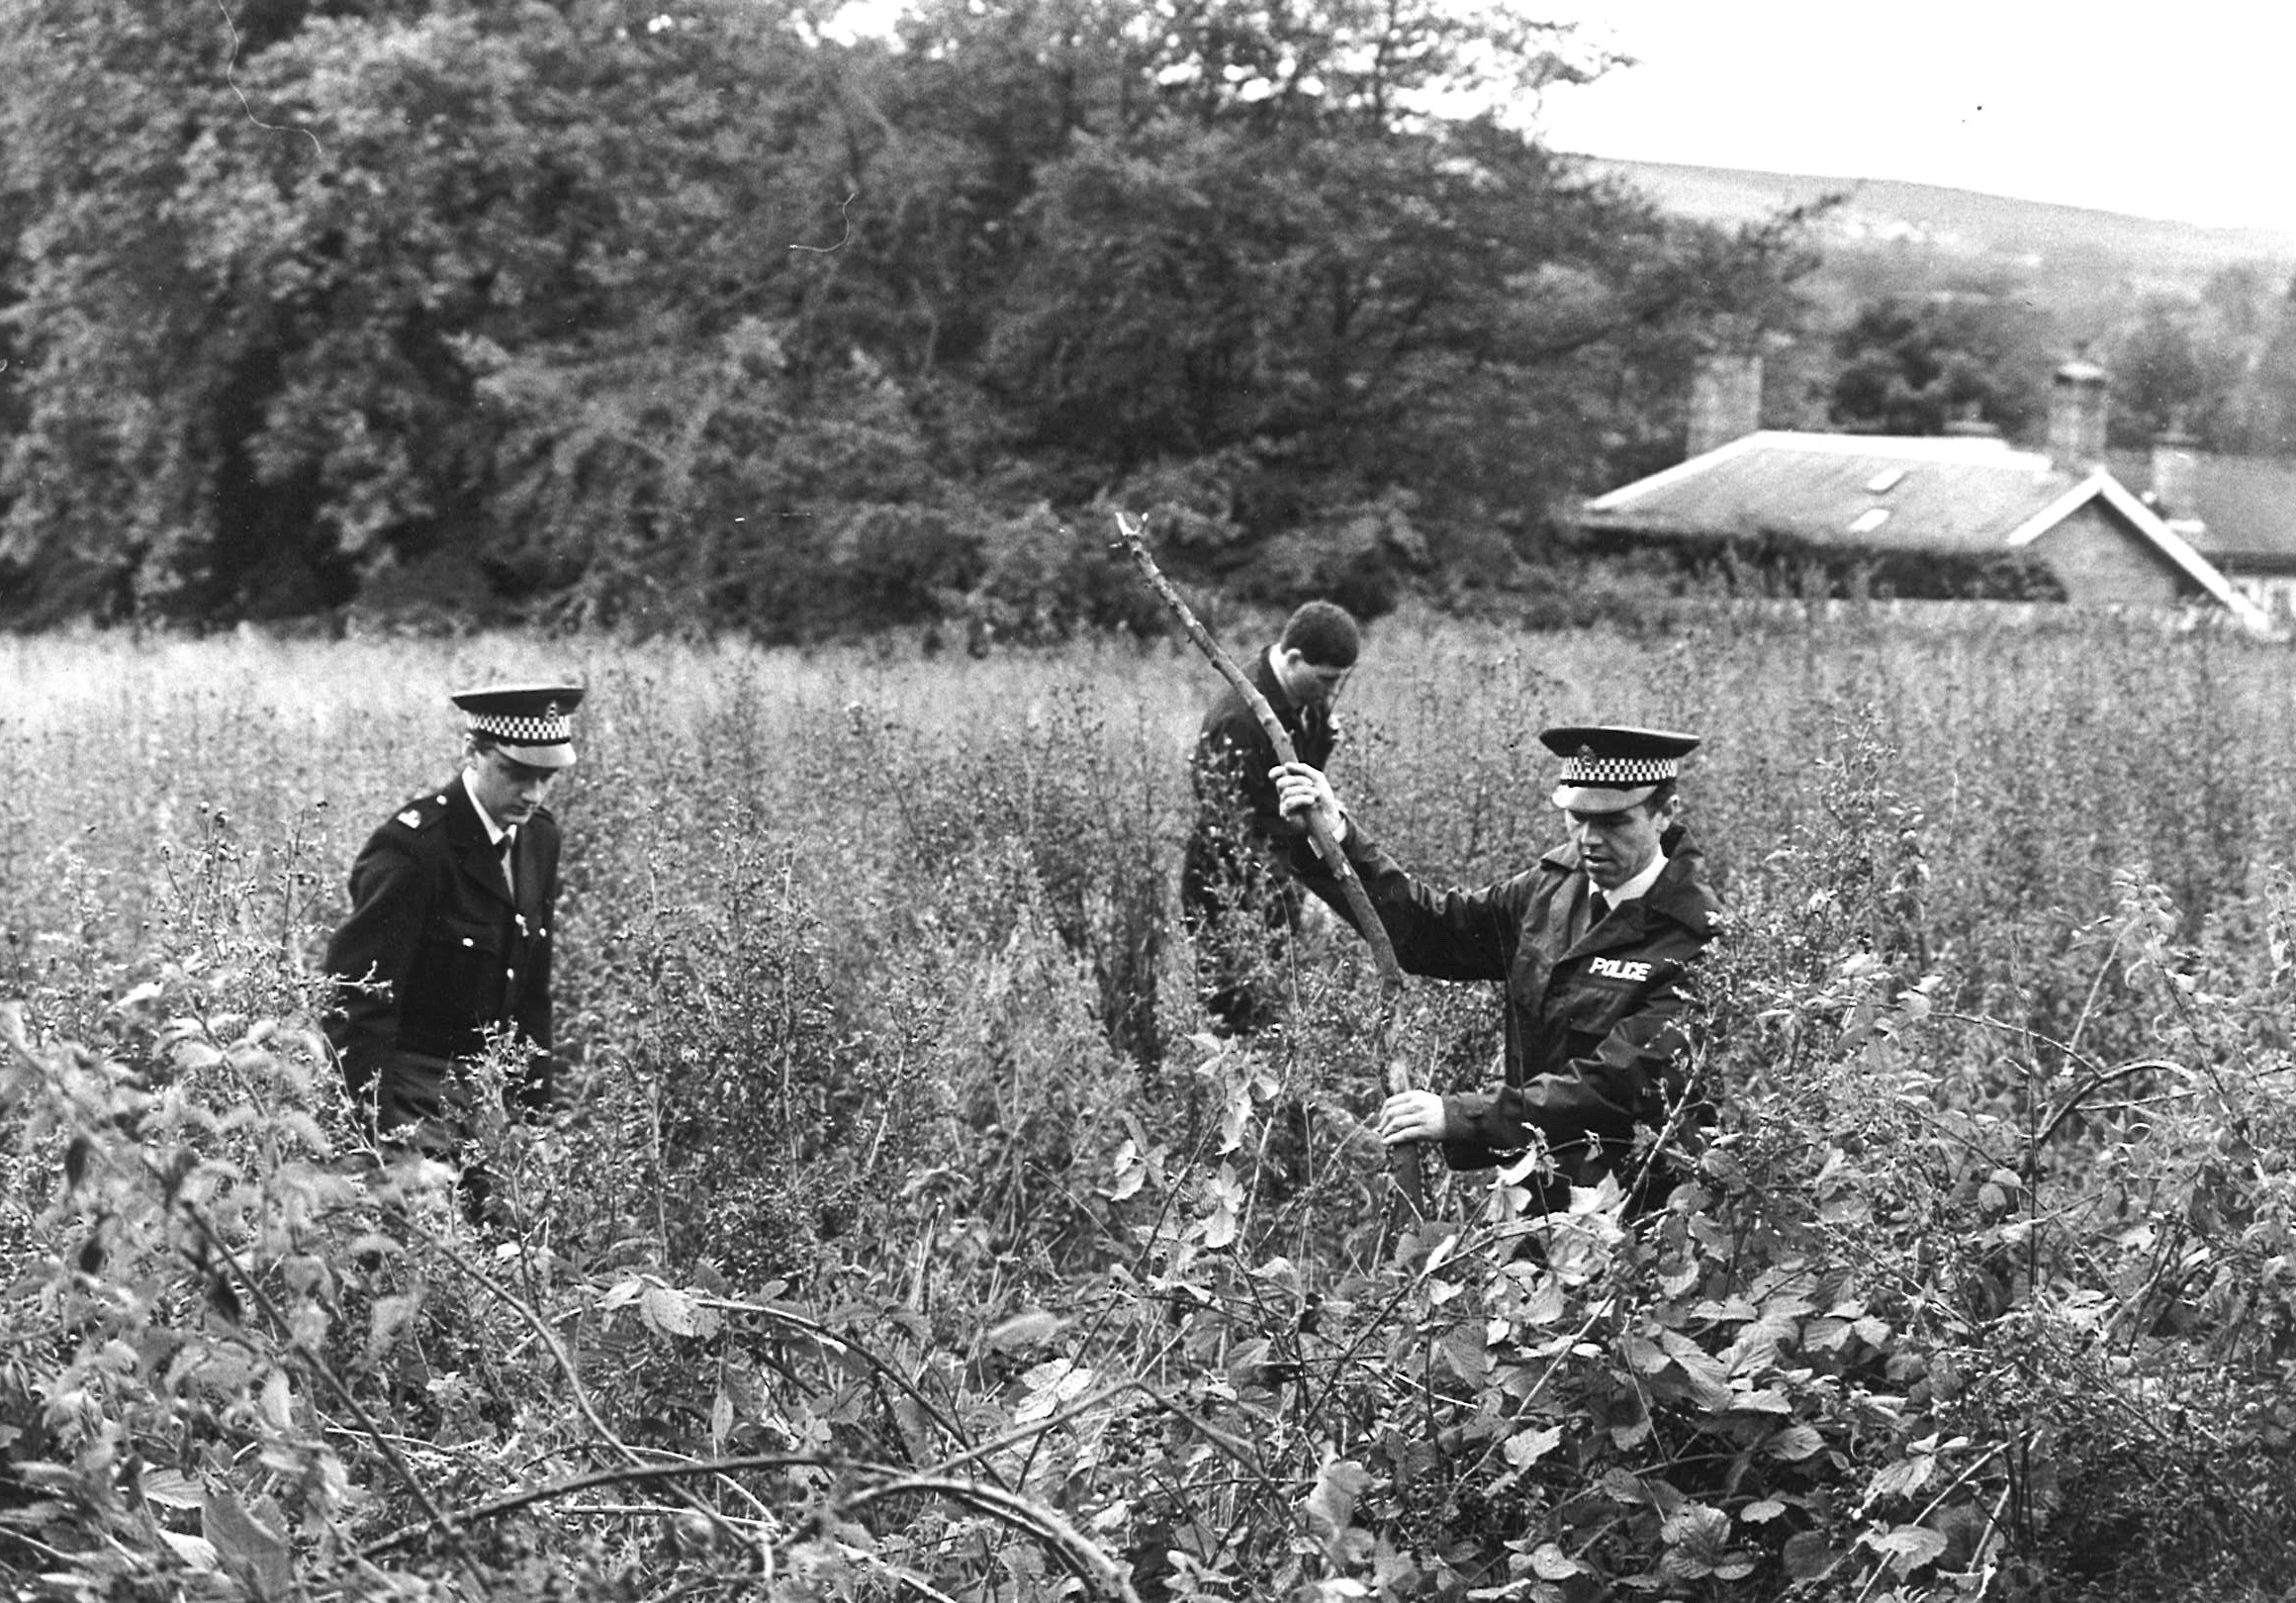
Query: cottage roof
point(1861, 492)
point(1949, 494)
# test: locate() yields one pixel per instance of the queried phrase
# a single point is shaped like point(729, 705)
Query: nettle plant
point(1949, 1308)
point(249, 1356)
point(182, 1295)
point(1513, 1403)
point(1962, 1298)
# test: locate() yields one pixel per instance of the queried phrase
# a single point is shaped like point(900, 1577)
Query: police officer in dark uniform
point(1594, 945)
point(453, 905)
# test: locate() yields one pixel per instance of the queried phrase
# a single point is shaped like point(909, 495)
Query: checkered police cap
point(532, 724)
point(1608, 768)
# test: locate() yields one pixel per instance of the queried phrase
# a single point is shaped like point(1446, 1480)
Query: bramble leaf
point(1526, 1448)
point(247, 1547)
point(1909, 1547)
point(1549, 1563)
point(1808, 1554)
point(1795, 1442)
point(670, 1311)
point(197, 1552)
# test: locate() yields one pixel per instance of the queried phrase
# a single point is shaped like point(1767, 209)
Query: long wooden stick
point(1403, 1159)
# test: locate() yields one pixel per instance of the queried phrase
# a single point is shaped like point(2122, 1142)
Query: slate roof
point(1948, 494)
point(2246, 506)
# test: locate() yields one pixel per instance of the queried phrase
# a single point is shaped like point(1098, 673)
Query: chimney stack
point(1725, 399)
point(2077, 402)
point(2174, 467)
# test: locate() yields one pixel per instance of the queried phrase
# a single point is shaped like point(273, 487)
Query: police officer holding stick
point(1594, 945)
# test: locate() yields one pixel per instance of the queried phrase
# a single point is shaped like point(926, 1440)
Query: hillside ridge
point(1953, 221)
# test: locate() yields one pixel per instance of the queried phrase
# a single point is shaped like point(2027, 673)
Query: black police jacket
point(447, 950)
point(1597, 1019)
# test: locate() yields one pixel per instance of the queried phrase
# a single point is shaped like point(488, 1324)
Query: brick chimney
point(2175, 468)
point(2077, 402)
point(1725, 399)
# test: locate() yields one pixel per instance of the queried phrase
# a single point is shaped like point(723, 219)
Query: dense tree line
point(1918, 352)
point(591, 309)
point(2218, 368)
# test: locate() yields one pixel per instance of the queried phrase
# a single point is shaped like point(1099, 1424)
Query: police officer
point(453, 902)
point(1593, 946)
point(1239, 892)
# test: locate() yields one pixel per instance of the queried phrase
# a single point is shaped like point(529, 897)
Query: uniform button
point(513, 974)
point(466, 940)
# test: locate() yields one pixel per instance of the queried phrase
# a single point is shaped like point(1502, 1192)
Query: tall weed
point(910, 1230)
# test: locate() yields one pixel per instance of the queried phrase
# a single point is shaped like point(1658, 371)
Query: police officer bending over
point(450, 931)
point(1593, 946)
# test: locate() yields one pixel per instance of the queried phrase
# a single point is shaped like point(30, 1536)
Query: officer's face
point(1616, 846)
point(508, 790)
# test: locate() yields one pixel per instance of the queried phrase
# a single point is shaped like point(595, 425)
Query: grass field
point(901, 1158)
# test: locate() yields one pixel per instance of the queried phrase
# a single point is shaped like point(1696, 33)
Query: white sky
point(2180, 109)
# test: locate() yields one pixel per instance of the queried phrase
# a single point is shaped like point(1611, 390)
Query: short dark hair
point(1660, 794)
point(1325, 633)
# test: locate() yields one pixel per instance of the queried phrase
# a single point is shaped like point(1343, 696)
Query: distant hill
point(2032, 236)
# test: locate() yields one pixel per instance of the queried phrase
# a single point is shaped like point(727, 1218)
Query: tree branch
point(1403, 1158)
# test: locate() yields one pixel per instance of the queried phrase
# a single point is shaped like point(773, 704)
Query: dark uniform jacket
point(433, 919)
point(1242, 838)
point(1594, 1018)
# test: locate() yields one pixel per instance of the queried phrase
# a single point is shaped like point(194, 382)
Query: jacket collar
point(493, 827)
point(1679, 895)
point(472, 845)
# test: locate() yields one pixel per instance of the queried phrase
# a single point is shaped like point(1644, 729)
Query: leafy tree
point(1358, 312)
point(2165, 379)
point(2261, 409)
point(2220, 367)
point(124, 359)
point(1910, 368)
point(581, 205)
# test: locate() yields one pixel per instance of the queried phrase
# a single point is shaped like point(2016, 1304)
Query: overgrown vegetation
point(909, 1238)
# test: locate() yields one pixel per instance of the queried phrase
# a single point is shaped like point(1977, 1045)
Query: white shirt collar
point(496, 833)
point(1633, 890)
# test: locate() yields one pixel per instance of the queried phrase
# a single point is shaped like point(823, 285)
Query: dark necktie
point(1597, 907)
point(510, 855)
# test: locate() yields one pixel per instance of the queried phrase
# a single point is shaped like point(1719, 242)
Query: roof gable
point(2148, 525)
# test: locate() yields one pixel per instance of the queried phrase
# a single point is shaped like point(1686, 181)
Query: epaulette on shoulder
point(423, 813)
